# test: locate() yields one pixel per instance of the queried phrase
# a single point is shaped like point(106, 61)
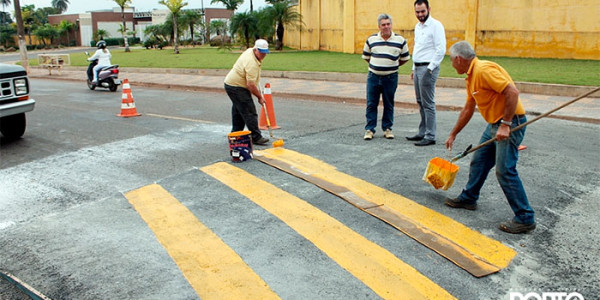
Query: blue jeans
point(384, 86)
point(504, 155)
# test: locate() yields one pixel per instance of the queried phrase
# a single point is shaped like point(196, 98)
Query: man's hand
point(450, 142)
point(261, 100)
point(411, 75)
point(503, 132)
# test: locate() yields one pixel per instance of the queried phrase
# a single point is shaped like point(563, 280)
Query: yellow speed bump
point(213, 269)
point(469, 249)
point(380, 270)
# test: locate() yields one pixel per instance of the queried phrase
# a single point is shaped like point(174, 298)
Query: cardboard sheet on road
point(467, 248)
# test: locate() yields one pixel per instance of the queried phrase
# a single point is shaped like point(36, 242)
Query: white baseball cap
point(262, 46)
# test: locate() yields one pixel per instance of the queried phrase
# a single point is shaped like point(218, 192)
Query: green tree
point(245, 24)
point(283, 14)
point(28, 19)
point(122, 4)
point(7, 34)
point(191, 18)
point(5, 3)
point(46, 31)
point(60, 5)
point(65, 27)
point(266, 25)
point(100, 34)
point(229, 4)
point(174, 6)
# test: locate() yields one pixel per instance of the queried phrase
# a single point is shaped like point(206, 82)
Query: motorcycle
point(108, 77)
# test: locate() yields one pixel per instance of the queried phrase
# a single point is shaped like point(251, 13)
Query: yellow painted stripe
point(379, 269)
point(480, 245)
point(213, 269)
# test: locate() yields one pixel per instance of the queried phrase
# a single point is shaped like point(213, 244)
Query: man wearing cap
point(240, 84)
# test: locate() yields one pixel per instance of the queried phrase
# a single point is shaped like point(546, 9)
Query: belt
point(421, 64)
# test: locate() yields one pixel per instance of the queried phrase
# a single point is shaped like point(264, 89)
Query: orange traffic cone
point(127, 105)
point(262, 122)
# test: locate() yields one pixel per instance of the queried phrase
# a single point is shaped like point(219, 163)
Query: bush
point(117, 41)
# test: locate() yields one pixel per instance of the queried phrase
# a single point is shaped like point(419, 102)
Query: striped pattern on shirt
point(384, 55)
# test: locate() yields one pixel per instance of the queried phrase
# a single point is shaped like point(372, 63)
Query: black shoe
point(514, 227)
point(425, 142)
point(261, 141)
point(414, 138)
point(455, 203)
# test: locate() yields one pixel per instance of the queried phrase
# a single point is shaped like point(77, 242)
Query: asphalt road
point(68, 230)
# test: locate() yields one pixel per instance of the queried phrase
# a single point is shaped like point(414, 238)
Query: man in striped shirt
point(385, 51)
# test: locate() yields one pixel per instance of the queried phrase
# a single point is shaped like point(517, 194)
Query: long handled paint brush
point(279, 142)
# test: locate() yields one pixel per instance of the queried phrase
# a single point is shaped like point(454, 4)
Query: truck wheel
point(13, 127)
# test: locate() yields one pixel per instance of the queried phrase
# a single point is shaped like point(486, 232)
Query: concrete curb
point(524, 87)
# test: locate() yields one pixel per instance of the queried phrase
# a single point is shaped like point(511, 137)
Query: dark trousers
point(243, 111)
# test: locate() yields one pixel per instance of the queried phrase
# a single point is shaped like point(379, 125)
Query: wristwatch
point(507, 123)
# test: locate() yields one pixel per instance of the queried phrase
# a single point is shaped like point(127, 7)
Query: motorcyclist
point(103, 57)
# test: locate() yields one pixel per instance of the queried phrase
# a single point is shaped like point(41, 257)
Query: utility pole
point(21, 34)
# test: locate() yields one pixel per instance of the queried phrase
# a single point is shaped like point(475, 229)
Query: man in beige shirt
point(240, 84)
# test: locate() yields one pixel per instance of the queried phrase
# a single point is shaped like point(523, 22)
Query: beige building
point(514, 28)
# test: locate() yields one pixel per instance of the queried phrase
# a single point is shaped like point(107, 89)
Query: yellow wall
point(519, 28)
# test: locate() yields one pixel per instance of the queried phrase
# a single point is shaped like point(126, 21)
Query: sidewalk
point(316, 86)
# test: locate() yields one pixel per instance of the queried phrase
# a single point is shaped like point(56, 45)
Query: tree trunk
point(21, 34)
point(280, 31)
point(125, 42)
point(192, 33)
point(175, 34)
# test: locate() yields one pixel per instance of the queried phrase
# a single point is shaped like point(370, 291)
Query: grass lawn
point(561, 71)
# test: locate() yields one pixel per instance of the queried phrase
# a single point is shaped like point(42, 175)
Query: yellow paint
point(495, 27)
point(476, 243)
point(379, 269)
point(213, 269)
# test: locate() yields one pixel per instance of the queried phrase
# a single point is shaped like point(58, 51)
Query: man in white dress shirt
point(428, 53)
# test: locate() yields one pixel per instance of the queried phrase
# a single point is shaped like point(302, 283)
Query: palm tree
point(219, 27)
point(245, 24)
point(122, 4)
point(284, 14)
point(61, 5)
point(191, 18)
point(229, 4)
point(174, 6)
point(100, 34)
point(21, 34)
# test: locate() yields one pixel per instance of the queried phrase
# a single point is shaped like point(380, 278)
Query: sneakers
point(455, 203)
point(261, 141)
point(388, 134)
point(516, 228)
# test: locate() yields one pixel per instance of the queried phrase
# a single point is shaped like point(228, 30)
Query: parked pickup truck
point(14, 100)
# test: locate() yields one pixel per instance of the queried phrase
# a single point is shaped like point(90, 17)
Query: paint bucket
point(240, 145)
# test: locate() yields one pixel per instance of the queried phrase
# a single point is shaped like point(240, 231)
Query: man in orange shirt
point(491, 89)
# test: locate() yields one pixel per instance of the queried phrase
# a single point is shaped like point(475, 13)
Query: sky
point(81, 6)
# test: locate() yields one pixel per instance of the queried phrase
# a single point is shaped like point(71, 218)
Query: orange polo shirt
point(485, 82)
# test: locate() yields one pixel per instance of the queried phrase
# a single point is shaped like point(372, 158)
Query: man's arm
point(253, 88)
point(511, 96)
point(463, 120)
